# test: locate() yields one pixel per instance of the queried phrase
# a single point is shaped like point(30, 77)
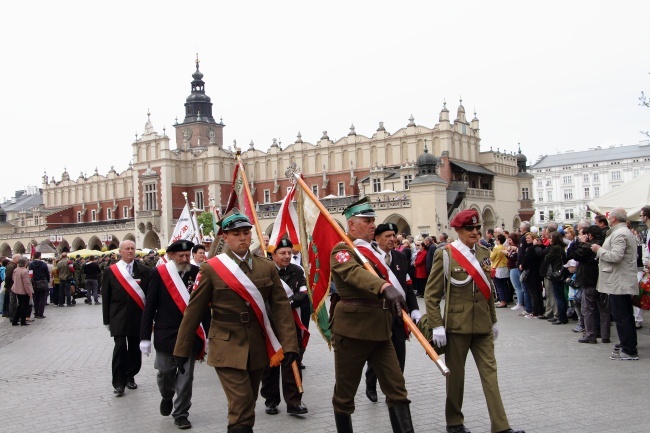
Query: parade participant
point(361, 325)
point(236, 285)
point(295, 285)
point(397, 268)
point(198, 255)
point(167, 297)
point(462, 269)
point(122, 308)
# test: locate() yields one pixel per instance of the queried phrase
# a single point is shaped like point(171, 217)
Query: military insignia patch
point(196, 283)
point(342, 256)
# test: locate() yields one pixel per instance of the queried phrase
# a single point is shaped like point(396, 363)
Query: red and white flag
point(286, 222)
point(184, 230)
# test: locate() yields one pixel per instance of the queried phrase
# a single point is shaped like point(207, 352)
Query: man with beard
point(238, 286)
point(170, 285)
point(396, 269)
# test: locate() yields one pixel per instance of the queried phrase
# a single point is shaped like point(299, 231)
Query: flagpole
point(188, 208)
point(405, 317)
point(258, 229)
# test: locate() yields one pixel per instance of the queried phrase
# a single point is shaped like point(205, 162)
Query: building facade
point(416, 176)
point(566, 182)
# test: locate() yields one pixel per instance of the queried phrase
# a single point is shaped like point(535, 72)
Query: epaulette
point(479, 245)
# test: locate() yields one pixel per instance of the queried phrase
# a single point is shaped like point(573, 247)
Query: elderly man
point(10, 301)
point(239, 286)
point(462, 270)
point(40, 280)
point(361, 324)
point(617, 277)
point(123, 295)
point(396, 269)
point(168, 294)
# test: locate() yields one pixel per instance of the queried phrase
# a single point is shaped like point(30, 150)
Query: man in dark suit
point(398, 264)
point(237, 285)
point(296, 287)
point(361, 324)
point(169, 290)
point(123, 296)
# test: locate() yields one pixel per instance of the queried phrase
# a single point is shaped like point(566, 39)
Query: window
point(314, 189)
point(524, 194)
point(125, 212)
point(548, 181)
point(407, 181)
point(635, 172)
point(551, 215)
point(616, 175)
point(566, 180)
point(549, 195)
point(539, 182)
point(267, 196)
point(150, 202)
point(93, 215)
point(540, 196)
point(586, 192)
point(109, 214)
point(596, 191)
point(585, 178)
point(35, 220)
point(376, 185)
point(341, 189)
point(78, 216)
point(595, 177)
point(588, 214)
point(198, 199)
point(568, 194)
point(568, 214)
point(541, 215)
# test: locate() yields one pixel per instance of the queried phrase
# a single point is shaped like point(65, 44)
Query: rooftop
point(613, 153)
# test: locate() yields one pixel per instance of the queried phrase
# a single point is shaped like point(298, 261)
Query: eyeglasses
point(472, 228)
point(417, 245)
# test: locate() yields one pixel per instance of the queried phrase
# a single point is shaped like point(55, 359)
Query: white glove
point(108, 327)
point(439, 337)
point(495, 332)
point(145, 347)
point(416, 316)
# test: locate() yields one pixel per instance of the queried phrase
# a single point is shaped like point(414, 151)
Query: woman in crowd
point(501, 273)
point(531, 263)
point(554, 263)
point(511, 252)
point(406, 249)
point(420, 264)
point(23, 289)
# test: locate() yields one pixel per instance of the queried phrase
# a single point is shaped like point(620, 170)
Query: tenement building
point(416, 176)
point(566, 182)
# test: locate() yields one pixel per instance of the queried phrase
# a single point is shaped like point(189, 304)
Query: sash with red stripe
point(128, 283)
point(296, 317)
point(475, 272)
point(239, 282)
point(181, 297)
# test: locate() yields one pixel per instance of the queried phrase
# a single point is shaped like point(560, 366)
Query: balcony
point(148, 213)
point(480, 193)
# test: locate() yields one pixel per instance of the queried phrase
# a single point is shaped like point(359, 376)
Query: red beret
point(466, 217)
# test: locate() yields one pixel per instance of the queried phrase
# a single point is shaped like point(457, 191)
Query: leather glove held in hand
point(289, 358)
point(439, 337)
point(180, 362)
point(495, 332)
point(394, 300)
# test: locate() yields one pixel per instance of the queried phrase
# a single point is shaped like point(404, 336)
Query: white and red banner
point(184, 230)
point(462, 254)
point(304, 333)
point(239, 199)
point(286, 222)
point(377, 259)
point(128, 283)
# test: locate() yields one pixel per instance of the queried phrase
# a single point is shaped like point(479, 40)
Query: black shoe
point(371, 391)
point(457, 429)
point(14, 324)
point(343, 422)
point(132, 385)
point(24, 324)
point(560, 322)
point(400, 418)
point(40, 317)
point(540, 318)
point(301, 365)
point(298, 409)
point(271, 409)
point(166, 407)
point(553, 320)
point(606, 340)
point(119, 391)
point(511, 431)
point(183, 423)
point(586, 340)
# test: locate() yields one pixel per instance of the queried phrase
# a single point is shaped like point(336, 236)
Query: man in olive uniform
point(361, 325)
point(470, 322)
point(295, 286)
point(398, 265)
point(237, 285)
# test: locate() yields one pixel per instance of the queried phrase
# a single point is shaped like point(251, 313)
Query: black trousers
point(399, 342)
point(127, 359)
point(23, 309)
point(623, 313)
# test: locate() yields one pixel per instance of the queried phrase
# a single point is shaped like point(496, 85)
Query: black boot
point(371, 390)
point(343, 422)
point(400, 418)
point(240, 429)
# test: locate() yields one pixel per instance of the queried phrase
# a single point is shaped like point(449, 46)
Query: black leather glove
point(289, 358)
point(298, 299)
point(180, 362)
point(394, 300)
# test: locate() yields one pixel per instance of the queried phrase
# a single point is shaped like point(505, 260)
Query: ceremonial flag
point(286, 223)
point(184, 229)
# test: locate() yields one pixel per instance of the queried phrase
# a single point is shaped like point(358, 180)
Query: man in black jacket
point(40, 278)
point(587, 279)
point(92, 271)
point(168, 293)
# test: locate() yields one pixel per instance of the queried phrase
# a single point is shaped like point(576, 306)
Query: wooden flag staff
point(405, 317)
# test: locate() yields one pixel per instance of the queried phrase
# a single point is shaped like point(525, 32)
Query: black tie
point(473, 252)
point(282, 272)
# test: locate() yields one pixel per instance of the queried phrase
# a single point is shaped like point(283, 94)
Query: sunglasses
point(472, 228)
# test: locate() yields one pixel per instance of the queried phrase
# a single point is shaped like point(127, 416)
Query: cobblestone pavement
point(55, 377)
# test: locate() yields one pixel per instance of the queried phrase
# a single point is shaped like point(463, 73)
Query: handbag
point(643, 300)
point(524, 275)
point(553, 275)
point(493, 273)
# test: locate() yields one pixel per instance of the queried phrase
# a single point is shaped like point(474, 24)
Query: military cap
point(180, 245)
point(387, 227)
point(467, 217)
point(360, 208)
point(284, 243)
point(234, 220)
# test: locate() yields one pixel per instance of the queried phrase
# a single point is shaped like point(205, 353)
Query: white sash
point(380, 255)
point(465, 251)
point(121, 267)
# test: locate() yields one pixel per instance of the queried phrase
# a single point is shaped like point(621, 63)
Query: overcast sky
point(77, 79)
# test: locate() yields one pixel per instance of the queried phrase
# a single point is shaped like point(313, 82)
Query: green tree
point(206, 219)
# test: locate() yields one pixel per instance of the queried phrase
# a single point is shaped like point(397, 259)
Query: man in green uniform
point(237, 285)
point(469, 322)
point(361, 325)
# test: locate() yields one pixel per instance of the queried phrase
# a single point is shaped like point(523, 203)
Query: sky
point(77, 79)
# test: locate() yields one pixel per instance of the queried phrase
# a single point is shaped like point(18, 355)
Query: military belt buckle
point(243, 317)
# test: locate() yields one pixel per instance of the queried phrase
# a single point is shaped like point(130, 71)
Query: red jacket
point(421, 264)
